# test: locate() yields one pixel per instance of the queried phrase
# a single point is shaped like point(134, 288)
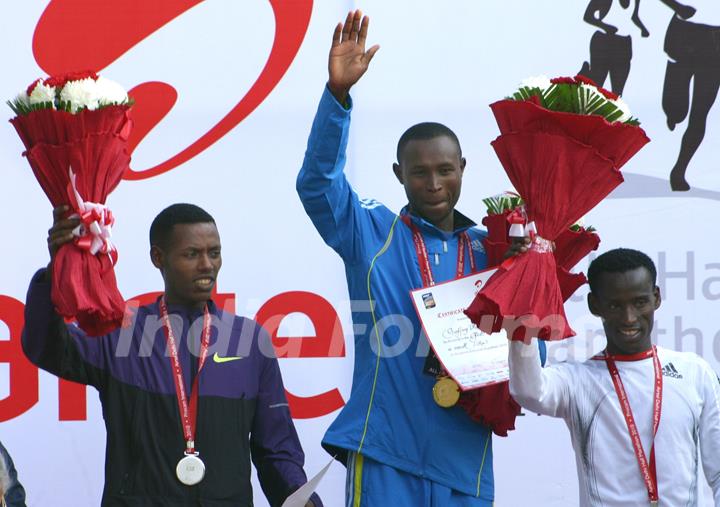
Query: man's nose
point(433, 183)
point(205, 263)
point(629, 315)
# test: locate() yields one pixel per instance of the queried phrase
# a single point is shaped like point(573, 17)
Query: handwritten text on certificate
point(472, 358)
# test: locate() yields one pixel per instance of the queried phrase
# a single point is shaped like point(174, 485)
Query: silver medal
point(190, 470)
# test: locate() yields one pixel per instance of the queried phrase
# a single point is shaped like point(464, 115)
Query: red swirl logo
point(66, 38)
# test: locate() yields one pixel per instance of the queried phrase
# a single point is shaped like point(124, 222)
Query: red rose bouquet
point(75, 130)
point(562, 144)
point(492, 405)
point(573, 244)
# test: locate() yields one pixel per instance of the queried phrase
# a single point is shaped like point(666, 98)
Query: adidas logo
point(369, 203)
point(670, 371)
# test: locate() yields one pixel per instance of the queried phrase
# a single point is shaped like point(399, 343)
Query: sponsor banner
point(226, 93)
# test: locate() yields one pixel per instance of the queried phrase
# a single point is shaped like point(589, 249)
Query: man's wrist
point(340, 93)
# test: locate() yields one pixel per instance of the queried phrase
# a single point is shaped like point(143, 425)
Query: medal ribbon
point(188, 411)
point(424, 259)
point(648, 470)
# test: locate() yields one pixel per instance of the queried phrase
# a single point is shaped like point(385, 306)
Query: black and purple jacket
point(242, 409)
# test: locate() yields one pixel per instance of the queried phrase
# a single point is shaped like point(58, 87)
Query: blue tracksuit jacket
point(391, 416)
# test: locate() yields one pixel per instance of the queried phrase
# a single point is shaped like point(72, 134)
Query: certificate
point(472, 358)
point(302, 495)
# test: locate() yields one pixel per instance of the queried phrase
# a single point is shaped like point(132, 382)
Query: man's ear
point(658, 298)
point(592, 304)
point(463, 162)
point(157, 257)
point(398, 173)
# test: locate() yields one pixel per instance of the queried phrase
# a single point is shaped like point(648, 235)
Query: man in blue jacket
point(401, 447)
point(191, 393)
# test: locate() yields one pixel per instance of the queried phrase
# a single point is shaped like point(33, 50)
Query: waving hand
point(348, 59)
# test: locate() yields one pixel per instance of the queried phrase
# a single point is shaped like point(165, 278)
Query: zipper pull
point(437, 259)
point(444, 246)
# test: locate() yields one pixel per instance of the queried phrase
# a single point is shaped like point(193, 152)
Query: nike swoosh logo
point(219, 359)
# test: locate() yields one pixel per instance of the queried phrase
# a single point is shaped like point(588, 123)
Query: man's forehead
point(195, 233)
point(612, 284)
point(441, 145)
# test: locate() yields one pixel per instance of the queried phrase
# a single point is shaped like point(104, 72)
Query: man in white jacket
point(637, 413)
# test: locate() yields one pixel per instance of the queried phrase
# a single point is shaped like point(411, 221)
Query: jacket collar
point(184, 311)
point(461, 224)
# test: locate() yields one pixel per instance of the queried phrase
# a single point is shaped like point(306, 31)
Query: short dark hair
point(180, 213)
point(424, 131)
point(619, 260)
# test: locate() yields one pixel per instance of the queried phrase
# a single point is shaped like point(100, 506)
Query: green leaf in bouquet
point(525, 93)
point(14, 107)
point(580, 228)
point(498, 204)
point(576, 99)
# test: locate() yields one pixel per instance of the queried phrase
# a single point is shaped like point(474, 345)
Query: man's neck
point(614, 351)
point(446, 224)
point(187, 306)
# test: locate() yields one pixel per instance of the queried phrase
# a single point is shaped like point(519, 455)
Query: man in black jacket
point(190, 392)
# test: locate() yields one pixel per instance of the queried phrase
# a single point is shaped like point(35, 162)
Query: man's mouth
point(204, 283)
point(630, 333)
point(434, 203)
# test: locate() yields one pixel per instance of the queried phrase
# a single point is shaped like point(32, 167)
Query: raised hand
point(348, 59)
point(517, 246)
point(61, 230)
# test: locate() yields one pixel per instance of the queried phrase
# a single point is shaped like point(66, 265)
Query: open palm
point(348, 59)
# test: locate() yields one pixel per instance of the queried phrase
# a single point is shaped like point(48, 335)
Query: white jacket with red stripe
point(584, 396)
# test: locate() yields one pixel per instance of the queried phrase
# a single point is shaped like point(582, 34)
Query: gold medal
point(446, 392)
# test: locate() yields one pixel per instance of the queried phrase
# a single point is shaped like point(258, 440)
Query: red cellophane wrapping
point(563, 165)
point(493, 406)
point(570, 247)
point(94, 145)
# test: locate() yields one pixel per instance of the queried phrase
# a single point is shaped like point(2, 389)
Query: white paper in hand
point(302, 495)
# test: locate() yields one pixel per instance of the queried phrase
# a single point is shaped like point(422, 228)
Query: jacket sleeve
point(59, 348)
point(710, 428)
point(328, 199)
point(274, 443)
point(542, 390)
point(15, 494)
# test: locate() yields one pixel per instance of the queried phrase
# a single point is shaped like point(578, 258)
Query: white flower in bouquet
point(622, 106)
point(81, 94)
point(71, 92)
point(110, 92)
point(541, 81)
point(21, 101)
point(42, 94)
point(576, 95)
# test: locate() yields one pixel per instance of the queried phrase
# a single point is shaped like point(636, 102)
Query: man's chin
point(436, 215)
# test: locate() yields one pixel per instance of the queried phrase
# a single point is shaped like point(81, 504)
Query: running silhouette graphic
point(611, 45)
point(692, 43)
